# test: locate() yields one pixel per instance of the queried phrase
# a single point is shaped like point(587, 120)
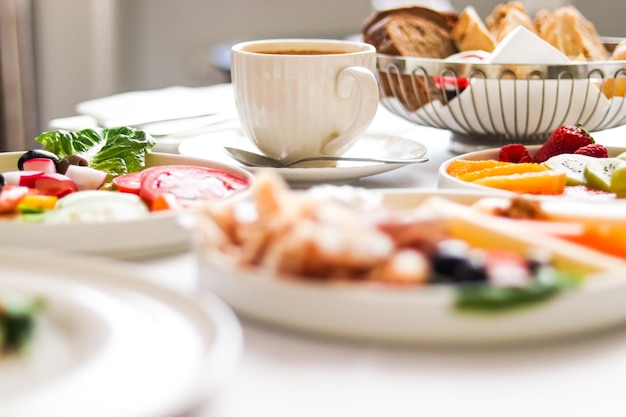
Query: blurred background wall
point(92, 48)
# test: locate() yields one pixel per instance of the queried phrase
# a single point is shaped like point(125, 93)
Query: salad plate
point(410, 314)
point(154, 234)
point(110, 343)
point(211, 146)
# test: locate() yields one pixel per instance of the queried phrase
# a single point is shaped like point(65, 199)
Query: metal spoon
point(257, 160)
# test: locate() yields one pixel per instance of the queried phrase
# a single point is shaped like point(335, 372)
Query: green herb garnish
point(483, 297)
point(17, 322)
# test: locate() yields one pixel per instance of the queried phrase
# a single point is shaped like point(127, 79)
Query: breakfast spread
point(336, 235)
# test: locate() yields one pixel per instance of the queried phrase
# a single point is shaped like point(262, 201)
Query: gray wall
point(172, 38)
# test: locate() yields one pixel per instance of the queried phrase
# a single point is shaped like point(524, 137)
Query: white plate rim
point(220, 357)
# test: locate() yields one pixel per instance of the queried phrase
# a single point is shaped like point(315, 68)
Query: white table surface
point(287, 374)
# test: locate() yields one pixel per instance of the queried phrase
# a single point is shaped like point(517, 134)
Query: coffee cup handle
point(367, 89)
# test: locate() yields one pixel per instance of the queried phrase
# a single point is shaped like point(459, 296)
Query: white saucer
point(211, 146)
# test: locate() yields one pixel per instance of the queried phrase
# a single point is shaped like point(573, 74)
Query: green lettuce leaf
point(483, 297)
point(118, 150)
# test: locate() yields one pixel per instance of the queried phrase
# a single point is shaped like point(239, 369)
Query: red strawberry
point(565, 139)
point(593, 149)
point(514, 152)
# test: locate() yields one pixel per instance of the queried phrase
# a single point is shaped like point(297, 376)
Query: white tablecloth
point(287, 374)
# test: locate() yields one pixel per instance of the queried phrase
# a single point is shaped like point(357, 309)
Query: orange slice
point(611, 240)
point(545, 182)
point(463, 166)
point(503, 170)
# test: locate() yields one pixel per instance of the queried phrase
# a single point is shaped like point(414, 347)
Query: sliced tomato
point(10, 197)
point(129, 183)
point(189, 184)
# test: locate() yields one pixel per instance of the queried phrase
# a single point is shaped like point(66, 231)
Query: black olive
point(71, 160)
point(37, 153)
point(1, 182)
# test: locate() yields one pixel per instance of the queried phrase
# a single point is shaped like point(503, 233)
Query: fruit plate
point(447, 181)
point(110, 343)
point(409, 315)
point(158, 233)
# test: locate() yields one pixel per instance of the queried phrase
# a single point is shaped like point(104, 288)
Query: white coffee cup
point(298, 98)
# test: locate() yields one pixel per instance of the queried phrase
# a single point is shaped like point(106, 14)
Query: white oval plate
point(211, 146)
point(110, 343)
point(409, 315)
point(446, 180)
point(156, 234)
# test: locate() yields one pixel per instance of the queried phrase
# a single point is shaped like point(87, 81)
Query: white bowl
point(447, 181)
point(158, 233)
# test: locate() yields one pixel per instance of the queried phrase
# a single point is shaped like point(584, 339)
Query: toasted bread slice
point(506, 17)
point(471, 34)
point(409, 34)
point(569, 31)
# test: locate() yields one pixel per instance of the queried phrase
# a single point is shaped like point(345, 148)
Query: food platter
point(105, 331)
point(422, 315)
point(158, 233)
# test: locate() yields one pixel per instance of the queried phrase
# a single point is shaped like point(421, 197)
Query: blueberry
point(448, 255)
point(472, 269)
point(445, 264)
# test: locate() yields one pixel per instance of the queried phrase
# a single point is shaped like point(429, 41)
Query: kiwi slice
point(618, 180)
point(599, 171)
point(572, 164)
